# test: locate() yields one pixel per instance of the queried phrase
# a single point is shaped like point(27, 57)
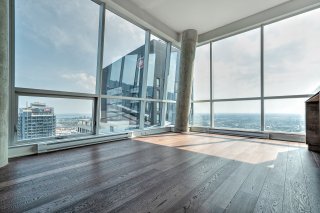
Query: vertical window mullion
point(144, 80)
point(211, 88)
point(262, 77)
point(13, 109)
point(165, 84)
point(97, 105)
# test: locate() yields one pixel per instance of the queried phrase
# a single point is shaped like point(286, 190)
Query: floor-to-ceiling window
point(172, 85)
point(260, 78)
point(291, 70)
point(124, 52)
point(236, 75)
point(55, 68)
point(82, 70)
point(201, 87)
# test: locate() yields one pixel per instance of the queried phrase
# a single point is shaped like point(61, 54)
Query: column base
point(181, 130)
point(3, 164)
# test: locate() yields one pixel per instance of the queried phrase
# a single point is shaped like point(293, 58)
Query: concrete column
point(188, 50)
point(4, 81)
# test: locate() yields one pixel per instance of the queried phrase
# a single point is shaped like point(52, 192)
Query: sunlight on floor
point(248, 150)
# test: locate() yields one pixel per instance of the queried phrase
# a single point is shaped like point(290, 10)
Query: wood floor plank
point(116, 167)
point(69, 199)
point(97, 167)
point(312, 178)
point(246, 198)
point(164, 196)
point(108, 201)
point(189, 172)
point(271, 195)
point(316, 157)
point(296, 197)
point(192, 201)
point(221, 198)
point(63, 168)
point(55, 161)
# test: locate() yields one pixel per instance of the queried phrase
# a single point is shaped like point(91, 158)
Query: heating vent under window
point(232, 132)
point(56, 145)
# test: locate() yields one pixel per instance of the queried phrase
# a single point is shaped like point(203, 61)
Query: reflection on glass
point(236, 66)
point(56, 46)
point(237, 115)
point(171, 114)
point(201, 79)
point(201, 114)
point(285, 115)
point(40, 117)
point(119, 115)
point(173, 77)
point(292, 55)
point(123, 61)
point(152, 116)
point(156, 68)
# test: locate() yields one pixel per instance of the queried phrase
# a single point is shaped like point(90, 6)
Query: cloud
point(71, 25)
point(121, 38)
point(291, 55)
point(82, 79)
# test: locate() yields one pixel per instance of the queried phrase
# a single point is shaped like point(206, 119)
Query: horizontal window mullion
point(254, 98)
point(288, 96)
point(236, 99)
point(136, 98)
point(52, 93)
point(200, 101)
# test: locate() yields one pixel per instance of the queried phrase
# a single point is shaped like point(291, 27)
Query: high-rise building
point(123, 77)
point(36, 121)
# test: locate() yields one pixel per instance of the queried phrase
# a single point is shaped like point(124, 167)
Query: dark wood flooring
point(166, 173)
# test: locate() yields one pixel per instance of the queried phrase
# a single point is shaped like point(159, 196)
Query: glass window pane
point(292, 58)
point(237, 115)
point(236, 66)
point(56, 44)
point(152, 116)
point(173, 77)
point(201, 114)
point(285, 115)
point(123, 59)
point(156, 67)
point(119, 115)
point(171, 114)
point(201, 79)
point(40, 117)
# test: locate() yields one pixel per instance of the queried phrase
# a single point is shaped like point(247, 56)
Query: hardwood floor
point(166, 173)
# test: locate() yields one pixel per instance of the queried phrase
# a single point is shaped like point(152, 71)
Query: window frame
point(97, 96)
point(262, 96)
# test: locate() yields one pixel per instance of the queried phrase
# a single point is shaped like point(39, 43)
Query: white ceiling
point(212, 19)
point(202, 15)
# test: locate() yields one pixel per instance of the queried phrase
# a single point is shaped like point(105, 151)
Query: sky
point(56, 49)
point(121, 38)
point(56, 44)
point(291, 66)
